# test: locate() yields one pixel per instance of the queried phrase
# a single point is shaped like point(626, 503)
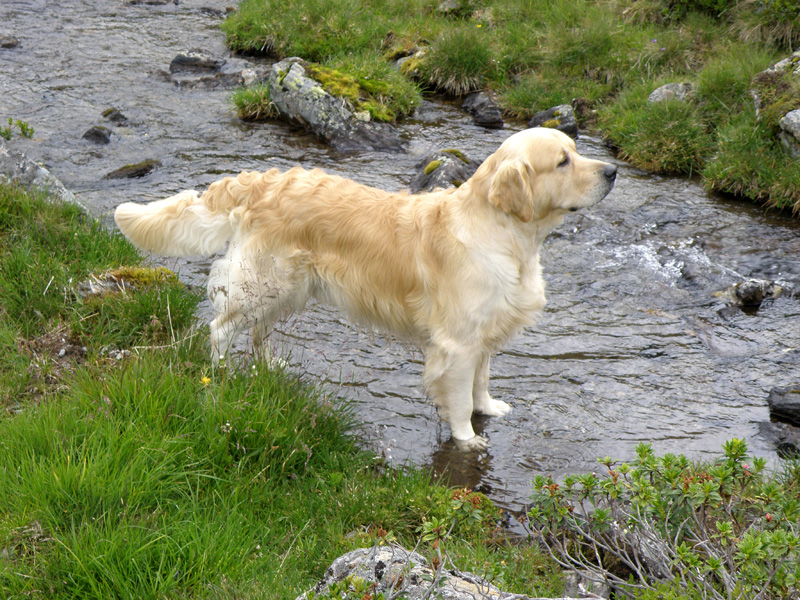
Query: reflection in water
point(634, 345)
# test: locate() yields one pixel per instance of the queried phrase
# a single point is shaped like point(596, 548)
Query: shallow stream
point(634, 345)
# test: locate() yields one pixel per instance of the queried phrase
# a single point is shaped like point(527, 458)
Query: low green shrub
point(724, 529)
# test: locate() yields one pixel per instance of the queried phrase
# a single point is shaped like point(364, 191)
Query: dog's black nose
point(610, 171)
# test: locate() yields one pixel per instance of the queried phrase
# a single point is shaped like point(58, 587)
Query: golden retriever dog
point(455, 272)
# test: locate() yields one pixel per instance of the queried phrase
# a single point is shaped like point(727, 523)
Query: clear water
point(633, 346)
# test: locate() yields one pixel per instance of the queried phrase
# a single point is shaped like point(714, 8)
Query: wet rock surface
point(484, 110)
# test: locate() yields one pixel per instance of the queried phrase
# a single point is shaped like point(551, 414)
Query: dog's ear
point(511, 189)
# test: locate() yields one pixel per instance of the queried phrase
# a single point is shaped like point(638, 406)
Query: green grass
point(536, 54)
point(253, 103)
point(157, 476)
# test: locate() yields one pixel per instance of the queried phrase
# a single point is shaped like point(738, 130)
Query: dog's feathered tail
point(183, 225)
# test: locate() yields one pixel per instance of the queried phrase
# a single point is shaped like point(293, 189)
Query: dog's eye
point(564, 161)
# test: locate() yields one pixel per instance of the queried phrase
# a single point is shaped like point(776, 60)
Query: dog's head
point(538, 172)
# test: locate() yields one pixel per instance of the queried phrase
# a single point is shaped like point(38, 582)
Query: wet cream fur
point(455, 272)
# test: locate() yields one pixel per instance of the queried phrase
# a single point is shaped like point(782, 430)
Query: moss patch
point(363, 93)
point(432, 166)
point(457, 153)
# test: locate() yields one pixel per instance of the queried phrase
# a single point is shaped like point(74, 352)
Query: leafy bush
point(718, 530)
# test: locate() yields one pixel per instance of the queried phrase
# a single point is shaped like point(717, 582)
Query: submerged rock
point(98, 135)
point(194, 61)
point(198, 69)
point(750, 294)
point(302, 100)
point(8, 41)
point(134, 171)
point(484, 110)
point(441, 170)
point(559, 117)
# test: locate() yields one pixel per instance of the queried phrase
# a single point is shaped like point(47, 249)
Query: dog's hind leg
point(448, 377)
point(254, 290)
point(482, 402)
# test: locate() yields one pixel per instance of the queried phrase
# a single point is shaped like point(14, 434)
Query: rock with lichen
point(560, 117)
point(392, 571)
point(302, 100)
point(441, 170)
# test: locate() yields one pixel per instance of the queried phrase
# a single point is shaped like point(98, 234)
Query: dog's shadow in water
point(459, 468)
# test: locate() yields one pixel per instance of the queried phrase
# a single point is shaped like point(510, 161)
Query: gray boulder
point(441, 170)
point(391, 570)
point(559, 117)
point(790, 132)
point(197, 69)
point(484, 110)
point(784, 405)
point(17, 169)
point(301, 100)
point(672, 91)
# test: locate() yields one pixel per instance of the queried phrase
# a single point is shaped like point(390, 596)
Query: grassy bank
point(132, 469)
point(535, 54)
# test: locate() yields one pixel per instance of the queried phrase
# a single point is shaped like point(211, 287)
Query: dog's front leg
point(482, 402)
point(448, 377)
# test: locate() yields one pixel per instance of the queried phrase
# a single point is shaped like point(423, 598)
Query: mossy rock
point(134, 171)
point(128, 278)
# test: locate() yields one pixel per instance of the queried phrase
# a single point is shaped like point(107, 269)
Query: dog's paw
point(473, 444)
point(493, 408)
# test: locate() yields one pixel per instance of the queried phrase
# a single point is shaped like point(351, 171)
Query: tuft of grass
point(253, 103)
point(666, 137)
point(459, 61)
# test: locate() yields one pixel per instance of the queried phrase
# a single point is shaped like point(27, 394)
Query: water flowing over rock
point(198, 69)
point(392, 569)
point(484, 110)
point(559, 117)
point(303, 101)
